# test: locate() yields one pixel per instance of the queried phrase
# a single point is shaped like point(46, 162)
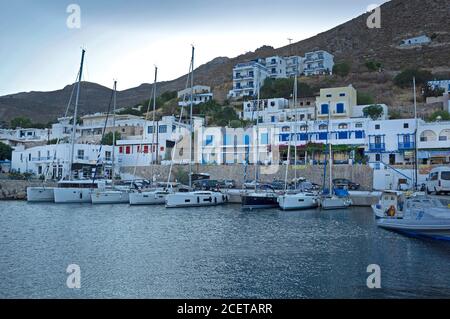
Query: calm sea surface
point(219, 252)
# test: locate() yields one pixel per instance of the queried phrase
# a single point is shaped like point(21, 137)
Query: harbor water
point(212, 252)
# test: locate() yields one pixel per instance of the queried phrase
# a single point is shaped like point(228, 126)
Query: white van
point(439, 180)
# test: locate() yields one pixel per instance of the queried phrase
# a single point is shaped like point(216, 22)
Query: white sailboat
point(112, 195)
point(76, 191)
point(196, 198)
point(331, 201)
point(45, 193)
point(295, 200)
point(152, 196)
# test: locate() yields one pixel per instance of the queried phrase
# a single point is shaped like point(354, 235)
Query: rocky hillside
point(352, 41)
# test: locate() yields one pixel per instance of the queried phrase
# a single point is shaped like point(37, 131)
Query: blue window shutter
point(340, 108)
point(324, 109)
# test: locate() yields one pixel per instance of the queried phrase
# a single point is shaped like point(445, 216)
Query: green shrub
point(373, 65)
point(283, 88)
point(374, 111)
point(405, 78)
point(342, 69)
point(364, 98)
point(441, 115)
point(5, 152)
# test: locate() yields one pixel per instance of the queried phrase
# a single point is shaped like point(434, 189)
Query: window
point(80, 154)
point(445, 176)
point(343, 135)
point(209, 140)
point(163, 129)
point(107, 156)
point(265, 138)
point(405, 125)
point(272, 119)
point(272, 103)
point(324, 109)
point(285, 129)
point(323, 127)
point(359, 134)
point(340, 108)
point(329, 95)
point(121, 150)
point(342, 126)
point(247, 140)
point(342, 94)
point(304, 128)
point(358, 125)
point(39, 170)
point(378, 140)
point(227, 140)
point(377, 126)
point(323, 136)
point(377, 157)
point(145, 149)
point(128, 150)
point(29, 157)
point(303, 137)
point(150, 130)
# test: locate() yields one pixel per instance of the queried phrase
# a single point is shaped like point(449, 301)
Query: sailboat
point(76, 191)
point(193, 198)
point(260, 198)
point(295, 200)
point(45, 193)
point(152, 196)
point(112, 195)
point(331, 200)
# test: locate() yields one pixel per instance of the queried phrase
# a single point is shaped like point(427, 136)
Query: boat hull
point(40, 194)
point(259, 201)
point(335, 203)
point(414, 229)
point(147, 198)
point(110, 197)
point(195, 199)
point(72, 195)
point(297, 202)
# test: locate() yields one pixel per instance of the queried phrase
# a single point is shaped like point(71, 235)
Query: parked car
point(227, 183)
point(345, 183)
point(249, 184)
point(439, 181)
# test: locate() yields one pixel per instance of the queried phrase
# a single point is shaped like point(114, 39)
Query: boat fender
point(391, 211)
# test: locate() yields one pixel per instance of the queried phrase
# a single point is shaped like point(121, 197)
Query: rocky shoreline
point(16, 189)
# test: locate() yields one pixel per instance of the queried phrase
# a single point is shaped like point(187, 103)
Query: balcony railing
point(41, 159)
point(244, 87)
point(377, 146)
point(406, 145)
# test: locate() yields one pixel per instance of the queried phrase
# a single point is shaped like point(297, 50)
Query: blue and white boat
point(418, 215)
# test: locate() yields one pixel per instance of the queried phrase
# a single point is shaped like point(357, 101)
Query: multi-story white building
point(54, 160)
point(294, 65)
point(247, 78)
point(201, 94)
point(318, 62)
point(275, 110)
point(276, 67)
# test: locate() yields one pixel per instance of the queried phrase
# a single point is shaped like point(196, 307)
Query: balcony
point(406, 146)
point(245, 87)
point(377, 147)
point(243, 76)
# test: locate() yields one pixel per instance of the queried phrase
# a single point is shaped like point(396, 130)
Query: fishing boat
point(418, 216)
point(193, 198)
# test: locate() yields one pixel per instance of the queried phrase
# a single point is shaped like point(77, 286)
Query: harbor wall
point(362, 174)
point(16, 189)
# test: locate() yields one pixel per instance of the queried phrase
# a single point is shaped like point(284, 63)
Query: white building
point(420, 40)
point(275, 110)
point(294, 65)
point(318, 62)
point(247, 78)
point(201, 94)
point(442, 84)
point(276, 67)
point(54, 160)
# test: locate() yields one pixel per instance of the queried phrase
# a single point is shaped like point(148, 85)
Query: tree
point(405, 78)
point(342, 69)
point(439, 115)
point(373, 65)
point(5, 152)
point(374, 111)
point(130, 111)
point(21, 122)
point(108, 138)
point(235, 124)
point(394, 115)
point(283, 88)
point(364, 98)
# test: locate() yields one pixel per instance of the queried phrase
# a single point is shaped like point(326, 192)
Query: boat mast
point(257, 135)
point(191, 121)
point(329, 147)
point(295, 130)
point(75, 113)
point(114, 132)
point(416, 166)
point(154, 126)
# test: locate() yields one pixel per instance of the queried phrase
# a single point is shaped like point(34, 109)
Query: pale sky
point(125, 39)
